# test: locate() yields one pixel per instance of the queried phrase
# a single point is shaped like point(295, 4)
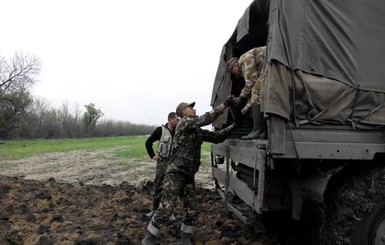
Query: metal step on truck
point(323, 98)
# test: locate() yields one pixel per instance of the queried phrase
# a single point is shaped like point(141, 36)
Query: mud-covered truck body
point(323, 98)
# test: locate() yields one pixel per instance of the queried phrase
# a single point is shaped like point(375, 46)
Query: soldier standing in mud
point(250, 67)
point(164, 134)
point(184, 163)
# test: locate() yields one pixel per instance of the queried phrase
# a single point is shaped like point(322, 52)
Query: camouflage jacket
point(251, 64)
point(188, 139)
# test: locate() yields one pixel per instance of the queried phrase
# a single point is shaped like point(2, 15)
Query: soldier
point(250, 67)
point(164, 134)
point(184, 163)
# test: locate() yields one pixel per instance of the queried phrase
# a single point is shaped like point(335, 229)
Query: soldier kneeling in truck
point(250, 67)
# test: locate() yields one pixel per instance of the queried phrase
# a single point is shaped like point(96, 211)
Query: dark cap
point(181, 106)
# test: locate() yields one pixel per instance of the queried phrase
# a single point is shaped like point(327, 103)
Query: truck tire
point(355, 207)
point(371, 229)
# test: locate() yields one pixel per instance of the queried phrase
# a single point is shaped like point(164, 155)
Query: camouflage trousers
point(156, 191)
point(177, 185)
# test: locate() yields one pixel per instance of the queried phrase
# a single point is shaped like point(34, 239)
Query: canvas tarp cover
point(332, 51)
point(243, 38)
point(316, 99)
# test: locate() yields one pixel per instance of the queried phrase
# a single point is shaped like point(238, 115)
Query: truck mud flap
point(311, 187)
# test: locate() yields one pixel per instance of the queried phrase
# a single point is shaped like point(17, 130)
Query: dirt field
point(86, 198)
point(90, 168)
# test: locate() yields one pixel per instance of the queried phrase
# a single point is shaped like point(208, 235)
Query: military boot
point(186, 234)
point(150, 236)
point(237, 116)
point(185, 238)
point(259, 124)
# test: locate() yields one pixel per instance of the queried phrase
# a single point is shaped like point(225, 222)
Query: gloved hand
point(240, 101)
point(229, 101)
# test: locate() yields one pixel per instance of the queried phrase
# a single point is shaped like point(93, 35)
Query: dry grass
point(96, 167)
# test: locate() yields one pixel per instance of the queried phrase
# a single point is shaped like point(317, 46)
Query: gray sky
point(136, 60)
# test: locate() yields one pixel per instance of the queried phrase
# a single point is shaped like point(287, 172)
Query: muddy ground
point(85, 197)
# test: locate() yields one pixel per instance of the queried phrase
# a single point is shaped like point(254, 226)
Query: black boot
point(259, 124)
point(185, 238)
point(150, 236)
point(186, 234)
point(237, 116)
point(149, 239)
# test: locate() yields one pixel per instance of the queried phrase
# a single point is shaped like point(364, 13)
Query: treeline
point(43, 121)
point(23, 116)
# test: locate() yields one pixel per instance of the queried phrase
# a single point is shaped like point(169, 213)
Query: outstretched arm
point(217, 136)
point(212, 115)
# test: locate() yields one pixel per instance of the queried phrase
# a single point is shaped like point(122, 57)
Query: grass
point(132, 146)
point(17, 149)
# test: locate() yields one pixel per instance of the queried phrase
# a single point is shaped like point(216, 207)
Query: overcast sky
point(136, 60)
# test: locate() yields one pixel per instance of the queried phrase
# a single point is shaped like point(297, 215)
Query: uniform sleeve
point(216, 136)
point(209, 117)
point(155, 136)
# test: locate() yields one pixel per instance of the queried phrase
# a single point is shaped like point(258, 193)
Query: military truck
point(323, 99)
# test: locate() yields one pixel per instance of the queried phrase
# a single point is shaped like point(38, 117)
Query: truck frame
point(324, 103)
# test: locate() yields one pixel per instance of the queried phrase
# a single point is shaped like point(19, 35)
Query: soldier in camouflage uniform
point(184, 163)
point(164, 135)
point(250, 67)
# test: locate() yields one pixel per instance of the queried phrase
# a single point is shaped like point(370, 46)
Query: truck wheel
point(355, 207)
point(371, 229)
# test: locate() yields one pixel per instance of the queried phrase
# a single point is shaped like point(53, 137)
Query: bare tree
point(20, 72)
point(16, 77)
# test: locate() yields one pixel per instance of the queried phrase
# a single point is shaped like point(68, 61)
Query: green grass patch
point(134, 150)
point(17, 149)
point(129, 146)
point(206, 147)
point(205, 154)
